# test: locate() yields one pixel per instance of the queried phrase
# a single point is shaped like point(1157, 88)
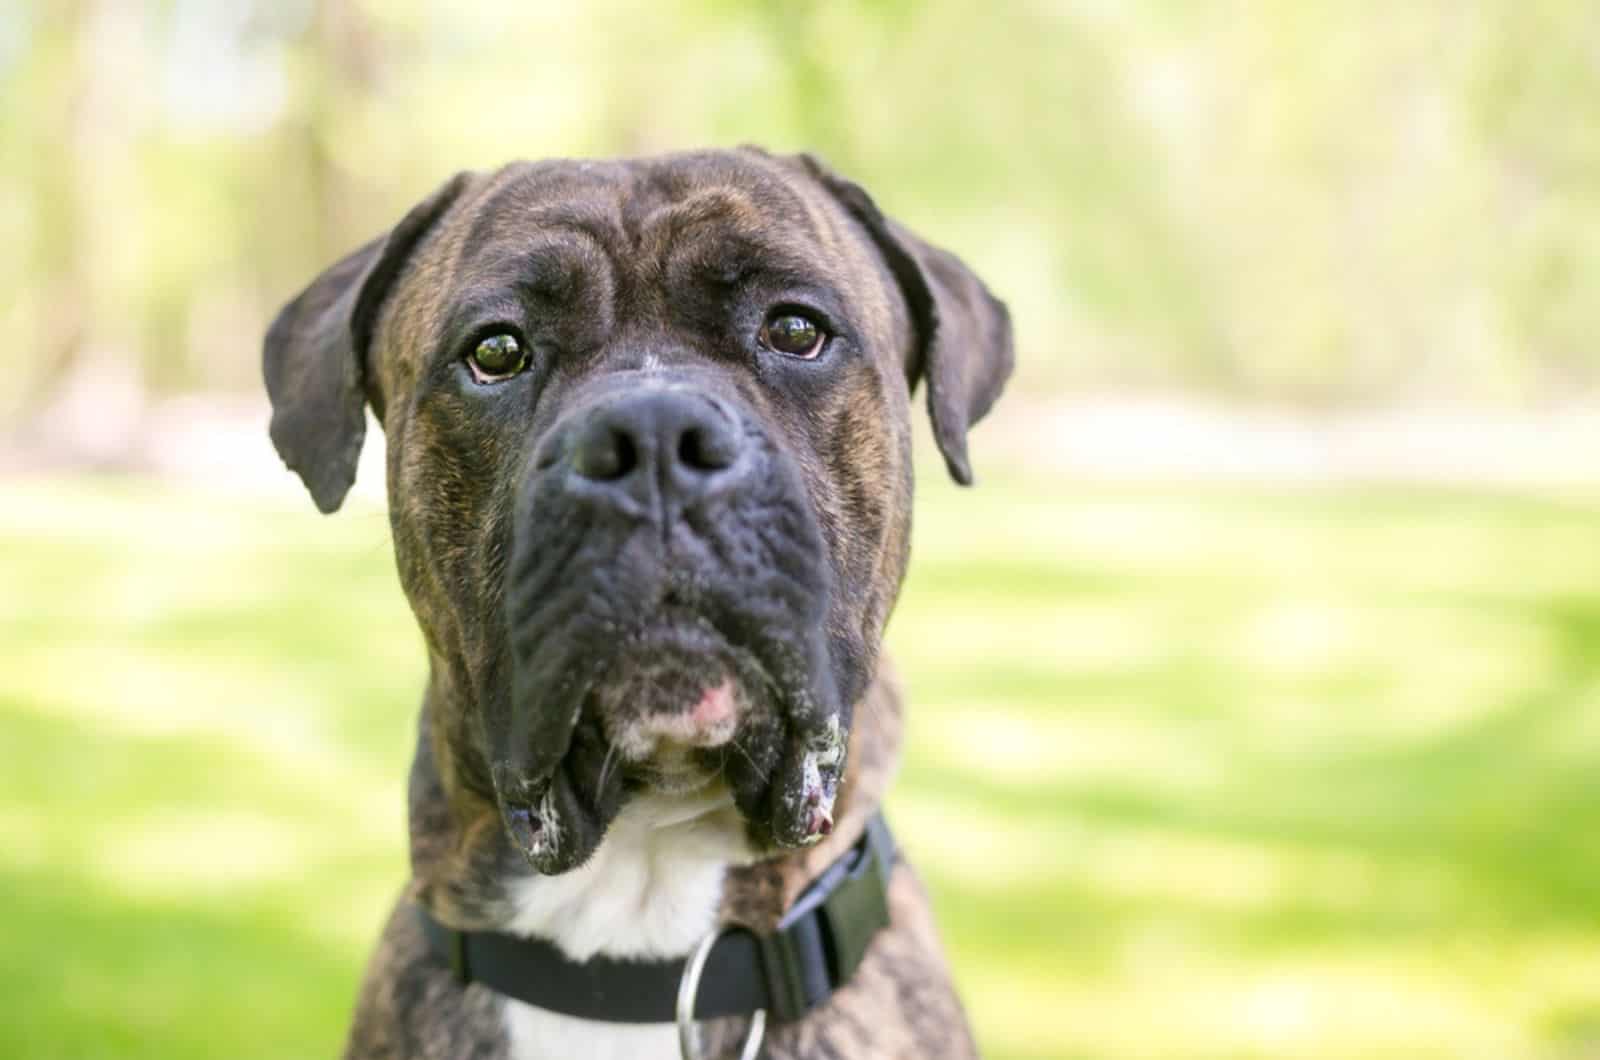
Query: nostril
point(605, 455)
point(703, 448)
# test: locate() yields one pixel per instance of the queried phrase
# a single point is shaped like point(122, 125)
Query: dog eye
point(496, 358)
point(793, 333)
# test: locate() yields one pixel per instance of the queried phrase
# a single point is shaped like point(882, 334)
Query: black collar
point(815, 949)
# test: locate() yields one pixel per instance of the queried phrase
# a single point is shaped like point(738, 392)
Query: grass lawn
point(1192, 773)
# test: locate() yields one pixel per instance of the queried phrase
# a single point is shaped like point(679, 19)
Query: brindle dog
point(649, 475)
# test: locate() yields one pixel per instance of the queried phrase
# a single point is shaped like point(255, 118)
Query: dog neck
point(652, 887)
point(669, 869)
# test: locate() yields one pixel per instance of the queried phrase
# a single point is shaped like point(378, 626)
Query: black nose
point(676, 441)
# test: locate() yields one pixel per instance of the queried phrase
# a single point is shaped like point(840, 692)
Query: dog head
point(648, 441)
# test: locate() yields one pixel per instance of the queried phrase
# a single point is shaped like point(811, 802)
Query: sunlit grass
point(1191, 773)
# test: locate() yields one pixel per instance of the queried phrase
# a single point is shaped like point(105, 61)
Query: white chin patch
point(652, 889)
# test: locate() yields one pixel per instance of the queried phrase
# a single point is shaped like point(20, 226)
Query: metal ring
point(689, 988)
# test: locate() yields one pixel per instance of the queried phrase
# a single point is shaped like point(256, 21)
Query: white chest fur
point(651, 889)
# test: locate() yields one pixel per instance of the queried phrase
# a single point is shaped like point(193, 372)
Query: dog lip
point(679, 781)
point(716, 707)
point(676, 751)
point(710, 722)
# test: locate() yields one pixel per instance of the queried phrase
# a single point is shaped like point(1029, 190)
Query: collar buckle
point(823, 937)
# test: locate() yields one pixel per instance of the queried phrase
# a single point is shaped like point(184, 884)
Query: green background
point(1195, 769)
point(1191, 772)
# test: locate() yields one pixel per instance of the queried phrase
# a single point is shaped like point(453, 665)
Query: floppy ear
point(962, 345)
point(314, 356)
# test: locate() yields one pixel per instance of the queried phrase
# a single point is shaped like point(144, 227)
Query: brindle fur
point(637, 259)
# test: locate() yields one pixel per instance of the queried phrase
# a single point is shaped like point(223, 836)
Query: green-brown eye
point(496, 358)
point(793, 333)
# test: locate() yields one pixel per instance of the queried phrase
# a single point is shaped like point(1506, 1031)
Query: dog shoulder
point(412, 1007)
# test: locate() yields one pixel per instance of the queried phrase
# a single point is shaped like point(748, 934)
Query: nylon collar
point(815, 949)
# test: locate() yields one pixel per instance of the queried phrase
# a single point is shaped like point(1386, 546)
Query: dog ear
point(314, 356)
point(962, 345)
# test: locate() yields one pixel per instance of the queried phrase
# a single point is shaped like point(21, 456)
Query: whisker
point(734, 743)
point(605, 764)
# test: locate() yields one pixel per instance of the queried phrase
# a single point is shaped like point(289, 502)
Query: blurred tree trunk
point(343, 54)
point(81, 138)
point(56, 252)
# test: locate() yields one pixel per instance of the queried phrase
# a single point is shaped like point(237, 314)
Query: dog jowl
point(649, 476)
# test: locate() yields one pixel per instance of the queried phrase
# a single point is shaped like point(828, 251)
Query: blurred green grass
point(1191, 772)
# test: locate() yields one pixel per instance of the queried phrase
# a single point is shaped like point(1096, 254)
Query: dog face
point(649, 467)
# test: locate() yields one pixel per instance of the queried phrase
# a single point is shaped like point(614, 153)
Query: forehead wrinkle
point(552, 194)
point(745, 211)
point(547, 250)
point(546, 263)
point(734, 248)
point(528, 230)
point(667, 225)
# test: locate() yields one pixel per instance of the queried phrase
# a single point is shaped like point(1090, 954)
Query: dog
point(648, 429)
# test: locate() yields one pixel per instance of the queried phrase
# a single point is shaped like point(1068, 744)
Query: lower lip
point(676, 781)
point(716, 707)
